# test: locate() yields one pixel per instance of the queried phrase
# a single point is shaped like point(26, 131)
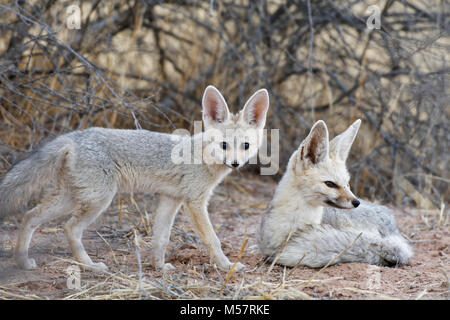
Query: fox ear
point(341, 144)
point(215, 108)
point(314, 149)
point(255, 109)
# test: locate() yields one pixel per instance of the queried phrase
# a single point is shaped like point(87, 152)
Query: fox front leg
point(204, 228)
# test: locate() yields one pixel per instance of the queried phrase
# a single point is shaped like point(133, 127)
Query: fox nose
point(235, 164)
point(356, 203)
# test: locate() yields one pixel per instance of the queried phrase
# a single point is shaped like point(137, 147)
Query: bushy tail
point(28, 177)
point(395, 250)
point(321, 245)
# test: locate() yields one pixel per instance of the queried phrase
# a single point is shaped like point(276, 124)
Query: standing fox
point(80, 172)
point(304, 223)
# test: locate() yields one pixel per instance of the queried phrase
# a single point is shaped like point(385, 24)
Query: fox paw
point(27, 264)
point(167, 267)
point(240, 267)
point(98, 267)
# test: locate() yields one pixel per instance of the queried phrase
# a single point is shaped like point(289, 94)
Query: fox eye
point(246, 145)
point(224, 145)
point(331, 184)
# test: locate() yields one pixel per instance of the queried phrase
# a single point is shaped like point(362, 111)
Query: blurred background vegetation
point(145, 64)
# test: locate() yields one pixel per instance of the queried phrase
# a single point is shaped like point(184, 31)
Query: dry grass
point(135, 64)
point(125, 247)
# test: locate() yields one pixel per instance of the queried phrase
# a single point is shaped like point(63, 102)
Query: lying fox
point(79, 173)
point(304, 223)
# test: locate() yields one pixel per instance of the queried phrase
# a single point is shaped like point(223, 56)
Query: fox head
point(320, 170)
point(232, 139)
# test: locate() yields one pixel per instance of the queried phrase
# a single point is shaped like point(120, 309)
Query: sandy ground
point(235, 210)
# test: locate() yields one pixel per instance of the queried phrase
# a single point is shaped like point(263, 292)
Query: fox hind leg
point(48, 209)
point(89, 211)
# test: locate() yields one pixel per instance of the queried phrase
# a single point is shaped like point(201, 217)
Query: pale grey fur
point(79, 173)
point(378, 240)
point(299, 226)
